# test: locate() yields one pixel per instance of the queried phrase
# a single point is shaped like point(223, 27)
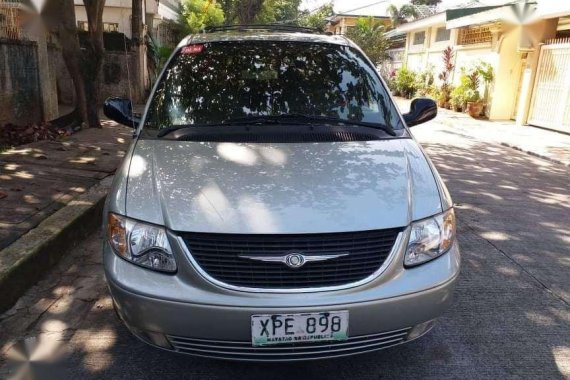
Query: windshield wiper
point(297, 118)
point(288, 118)
point(165, 131)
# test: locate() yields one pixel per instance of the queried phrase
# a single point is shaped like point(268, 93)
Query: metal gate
point(550, 104)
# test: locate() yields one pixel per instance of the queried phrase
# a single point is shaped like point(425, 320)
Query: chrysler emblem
point(294, 260)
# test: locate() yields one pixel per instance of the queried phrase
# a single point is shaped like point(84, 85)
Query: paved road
point(511, 318)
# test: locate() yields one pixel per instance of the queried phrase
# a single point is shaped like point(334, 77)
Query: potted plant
point(474, 103)
point(406, 82)
point(486, 73)
point(456, 103)
point(457, 99)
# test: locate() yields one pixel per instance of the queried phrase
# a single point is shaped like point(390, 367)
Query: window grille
point(475, 35)
point(9, 21)
point(110, 26)
point(107, 26)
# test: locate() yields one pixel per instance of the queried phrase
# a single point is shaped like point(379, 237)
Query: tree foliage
point(368, 33)
point(244, 11)
point(426, 2)
point(400, 15)
point(318, 18)
point(280, 11)
point(198, 14)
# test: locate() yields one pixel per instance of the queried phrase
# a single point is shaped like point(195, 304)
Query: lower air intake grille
point(300, 351)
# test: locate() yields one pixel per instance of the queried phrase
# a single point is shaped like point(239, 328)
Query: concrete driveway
point(511, 318)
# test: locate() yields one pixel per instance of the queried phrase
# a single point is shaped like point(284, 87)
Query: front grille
point(296, 351)
point(218, 255)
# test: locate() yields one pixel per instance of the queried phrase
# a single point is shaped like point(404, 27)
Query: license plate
point(270, 329)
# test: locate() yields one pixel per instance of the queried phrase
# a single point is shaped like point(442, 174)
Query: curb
point(536, 154)
point(509, 145)
point(25, 261)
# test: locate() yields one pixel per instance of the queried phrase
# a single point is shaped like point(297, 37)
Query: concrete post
point(48, 85)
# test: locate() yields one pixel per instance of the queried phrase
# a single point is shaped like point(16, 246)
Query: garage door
point(550, 104)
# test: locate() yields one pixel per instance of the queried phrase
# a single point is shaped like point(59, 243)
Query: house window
point(107, 26)
point(110, 26)
point(442, 34)
point(419, 38)
point(82, 26)
point(474, 35)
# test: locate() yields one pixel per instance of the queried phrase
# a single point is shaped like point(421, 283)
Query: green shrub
point(390, 79)
point(434, 92)
point(405, 82)
point(467, 91)
point(424, 81)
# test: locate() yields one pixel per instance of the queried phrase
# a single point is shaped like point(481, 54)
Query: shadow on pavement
point(511, 317)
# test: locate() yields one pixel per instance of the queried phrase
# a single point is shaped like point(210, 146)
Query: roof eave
point(361, 16)
point(436, 19)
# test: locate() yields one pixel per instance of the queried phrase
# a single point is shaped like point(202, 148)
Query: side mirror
point(421, 110)
point(121, 111)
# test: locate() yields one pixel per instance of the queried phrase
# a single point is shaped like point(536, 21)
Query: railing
point(474, 35)
point(558, 41)
point(550, 104)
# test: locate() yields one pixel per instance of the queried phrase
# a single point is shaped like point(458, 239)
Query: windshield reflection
point(229, 80)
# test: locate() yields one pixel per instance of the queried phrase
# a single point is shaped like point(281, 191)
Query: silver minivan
point(273, 205)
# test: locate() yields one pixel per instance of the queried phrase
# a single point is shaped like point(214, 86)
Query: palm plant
point(400, 15)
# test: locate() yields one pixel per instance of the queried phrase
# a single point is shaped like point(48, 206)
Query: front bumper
point(224, 332)
point(186, 313)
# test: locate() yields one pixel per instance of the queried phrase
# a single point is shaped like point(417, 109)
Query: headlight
point(430, 238)
point(143, 244)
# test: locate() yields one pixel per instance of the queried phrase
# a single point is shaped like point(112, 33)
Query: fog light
point(159, 339)
point(420, 329)
point(151, 337)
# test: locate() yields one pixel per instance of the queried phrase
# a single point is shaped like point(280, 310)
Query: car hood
point(280, 188)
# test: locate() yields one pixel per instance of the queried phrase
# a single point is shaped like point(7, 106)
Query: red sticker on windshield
point(193, 49)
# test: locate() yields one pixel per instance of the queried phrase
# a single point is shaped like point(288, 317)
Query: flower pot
point(475, 108)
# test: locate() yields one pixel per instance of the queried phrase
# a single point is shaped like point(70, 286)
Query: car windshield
point(214, 83)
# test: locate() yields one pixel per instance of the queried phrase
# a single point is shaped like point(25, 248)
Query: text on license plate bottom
point(269, 329)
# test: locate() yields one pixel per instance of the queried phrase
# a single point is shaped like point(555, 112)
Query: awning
point(518, 13)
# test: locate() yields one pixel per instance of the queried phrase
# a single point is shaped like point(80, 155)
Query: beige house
point(342, 23)
point(524, 42)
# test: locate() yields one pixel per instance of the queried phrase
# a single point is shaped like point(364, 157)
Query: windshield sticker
point(193, 49)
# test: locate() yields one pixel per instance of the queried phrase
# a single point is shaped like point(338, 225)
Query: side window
point(442, 34)
point(419, 38)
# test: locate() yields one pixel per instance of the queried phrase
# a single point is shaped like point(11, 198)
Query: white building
point(117, 17)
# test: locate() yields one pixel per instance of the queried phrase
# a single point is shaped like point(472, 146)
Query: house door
point(550, 104)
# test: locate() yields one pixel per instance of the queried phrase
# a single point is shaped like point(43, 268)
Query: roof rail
point(268, 27)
